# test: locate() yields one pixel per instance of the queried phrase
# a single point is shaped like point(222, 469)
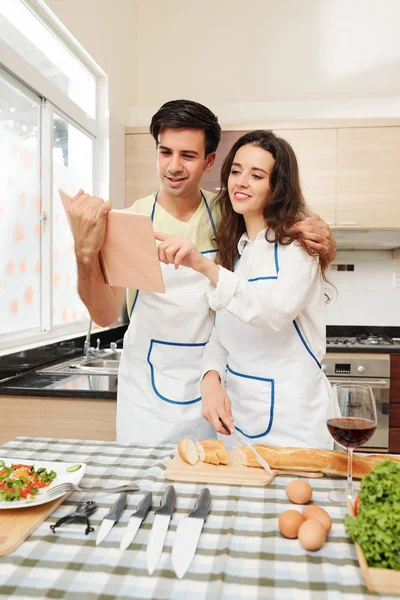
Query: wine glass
point(353, 428)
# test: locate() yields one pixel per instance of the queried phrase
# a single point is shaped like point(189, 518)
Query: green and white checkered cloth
point(241, 554)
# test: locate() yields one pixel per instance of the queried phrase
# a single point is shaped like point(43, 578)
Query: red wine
point(351, 432)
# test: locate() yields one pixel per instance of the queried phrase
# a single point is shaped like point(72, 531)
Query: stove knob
point(361, 369)
point(324, 368)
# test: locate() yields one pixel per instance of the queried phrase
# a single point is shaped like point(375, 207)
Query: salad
point(22, 481)
point(376, 528)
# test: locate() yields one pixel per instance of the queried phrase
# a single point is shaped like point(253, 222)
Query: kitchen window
point(53, 120)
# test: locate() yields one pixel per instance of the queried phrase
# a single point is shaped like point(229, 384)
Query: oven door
point(379, 442)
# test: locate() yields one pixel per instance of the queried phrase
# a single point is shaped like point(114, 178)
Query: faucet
point(86, 345)
point(87, 349)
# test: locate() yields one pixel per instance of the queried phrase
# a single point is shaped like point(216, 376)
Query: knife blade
point(136, 520)
point(159, 530)
point(112, 517)
point(188, 534)
point(243, 442)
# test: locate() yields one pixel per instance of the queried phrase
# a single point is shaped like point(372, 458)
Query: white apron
point(158, 398)
point(280, 395)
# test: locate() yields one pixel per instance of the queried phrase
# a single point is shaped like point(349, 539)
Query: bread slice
point(212, 451)
point(329, 462)
point(207, 452)
point(222, 456)
point(188, 451)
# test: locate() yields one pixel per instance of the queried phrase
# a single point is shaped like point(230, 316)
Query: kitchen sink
point(106, 362)
point(102, 363)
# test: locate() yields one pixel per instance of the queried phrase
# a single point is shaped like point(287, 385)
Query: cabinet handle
point(349, 223)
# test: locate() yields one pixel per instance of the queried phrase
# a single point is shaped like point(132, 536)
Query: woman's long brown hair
point(285, 206)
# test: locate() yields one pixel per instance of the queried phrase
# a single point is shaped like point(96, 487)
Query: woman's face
point(248, 182)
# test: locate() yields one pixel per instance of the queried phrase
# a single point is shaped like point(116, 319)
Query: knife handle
point(144, 506)
point(225, 426)
point(118, 507)
point(202, 505)
point(168, 502)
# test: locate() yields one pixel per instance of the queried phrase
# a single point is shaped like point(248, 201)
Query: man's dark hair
point(187, 114)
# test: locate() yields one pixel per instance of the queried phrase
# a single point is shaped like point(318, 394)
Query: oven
point(370, 369)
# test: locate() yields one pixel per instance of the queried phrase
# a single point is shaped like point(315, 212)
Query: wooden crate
point(384, 581)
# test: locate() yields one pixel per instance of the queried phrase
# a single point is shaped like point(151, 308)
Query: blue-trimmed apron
point(279, 394)
point(159, 397)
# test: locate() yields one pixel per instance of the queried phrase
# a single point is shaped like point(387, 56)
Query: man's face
point(181, 160)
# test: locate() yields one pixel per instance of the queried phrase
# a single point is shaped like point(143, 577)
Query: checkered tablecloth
point(241, 554)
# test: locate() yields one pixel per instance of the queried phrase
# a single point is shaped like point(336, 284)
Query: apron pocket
point(175, 371)
point(252, 402)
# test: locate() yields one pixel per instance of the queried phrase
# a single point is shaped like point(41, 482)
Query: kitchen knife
point(188, 534)
point(160, 527)
point(112, 517)
point(136, 519)
point(243, 442)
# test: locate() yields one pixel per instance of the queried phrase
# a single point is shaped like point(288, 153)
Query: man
point(158, 382)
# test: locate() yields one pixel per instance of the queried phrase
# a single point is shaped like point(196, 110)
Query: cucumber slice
point(73, 468)
point(2, 463)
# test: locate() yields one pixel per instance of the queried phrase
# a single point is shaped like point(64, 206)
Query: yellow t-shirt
point(198, 229)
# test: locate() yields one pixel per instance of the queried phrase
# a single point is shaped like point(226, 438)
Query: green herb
point(377, 526)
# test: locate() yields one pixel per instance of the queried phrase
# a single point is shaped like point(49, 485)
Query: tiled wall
point(365, 296)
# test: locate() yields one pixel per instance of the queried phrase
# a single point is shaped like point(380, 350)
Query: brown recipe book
point(129, 256)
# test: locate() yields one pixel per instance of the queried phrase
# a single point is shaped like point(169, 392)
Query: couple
point(248, 262)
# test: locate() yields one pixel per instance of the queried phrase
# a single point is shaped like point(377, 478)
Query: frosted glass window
point(20, 208)
point(21, 29)
point(72, 170)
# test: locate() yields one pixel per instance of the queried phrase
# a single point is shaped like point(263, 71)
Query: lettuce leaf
point(377, 526)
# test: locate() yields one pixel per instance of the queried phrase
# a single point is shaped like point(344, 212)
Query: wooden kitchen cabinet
point(82, 419)
point(141, 177)
point(349, 174)
point(368, 177)
point(394, 409)
point(316, 154)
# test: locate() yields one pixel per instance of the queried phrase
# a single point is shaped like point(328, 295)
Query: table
point(241, 554)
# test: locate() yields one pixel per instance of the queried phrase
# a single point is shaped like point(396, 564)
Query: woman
point(262, 365)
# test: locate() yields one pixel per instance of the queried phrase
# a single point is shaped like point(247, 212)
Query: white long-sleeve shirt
point(295, 292)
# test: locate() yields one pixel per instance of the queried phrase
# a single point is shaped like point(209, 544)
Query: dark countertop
point(362, 350)
point(348, 331)
point(18, 376)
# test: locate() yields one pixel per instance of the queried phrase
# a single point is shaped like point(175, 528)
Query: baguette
point(212, 451)
point(329, 462)
point(188, 451)
point(209, 451)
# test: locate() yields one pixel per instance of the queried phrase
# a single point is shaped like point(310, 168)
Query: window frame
point(21, 74)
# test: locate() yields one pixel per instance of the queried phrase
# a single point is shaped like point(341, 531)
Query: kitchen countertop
point(240, 555)
point(19, 377)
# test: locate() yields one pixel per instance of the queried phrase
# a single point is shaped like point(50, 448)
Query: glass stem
point(349, 487)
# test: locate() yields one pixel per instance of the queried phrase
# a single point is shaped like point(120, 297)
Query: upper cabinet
point(368, 178)
point(316, 154)
point(141, 177)
point(350, 176)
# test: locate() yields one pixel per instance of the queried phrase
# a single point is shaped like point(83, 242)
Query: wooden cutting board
point(233, 473)
point(16, 524)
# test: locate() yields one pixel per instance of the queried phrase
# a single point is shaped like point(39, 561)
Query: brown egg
point(312, 535)
point(298, 491)
point(319, 514)
point(289, 523)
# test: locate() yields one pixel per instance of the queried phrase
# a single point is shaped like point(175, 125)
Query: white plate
point(41, 498)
